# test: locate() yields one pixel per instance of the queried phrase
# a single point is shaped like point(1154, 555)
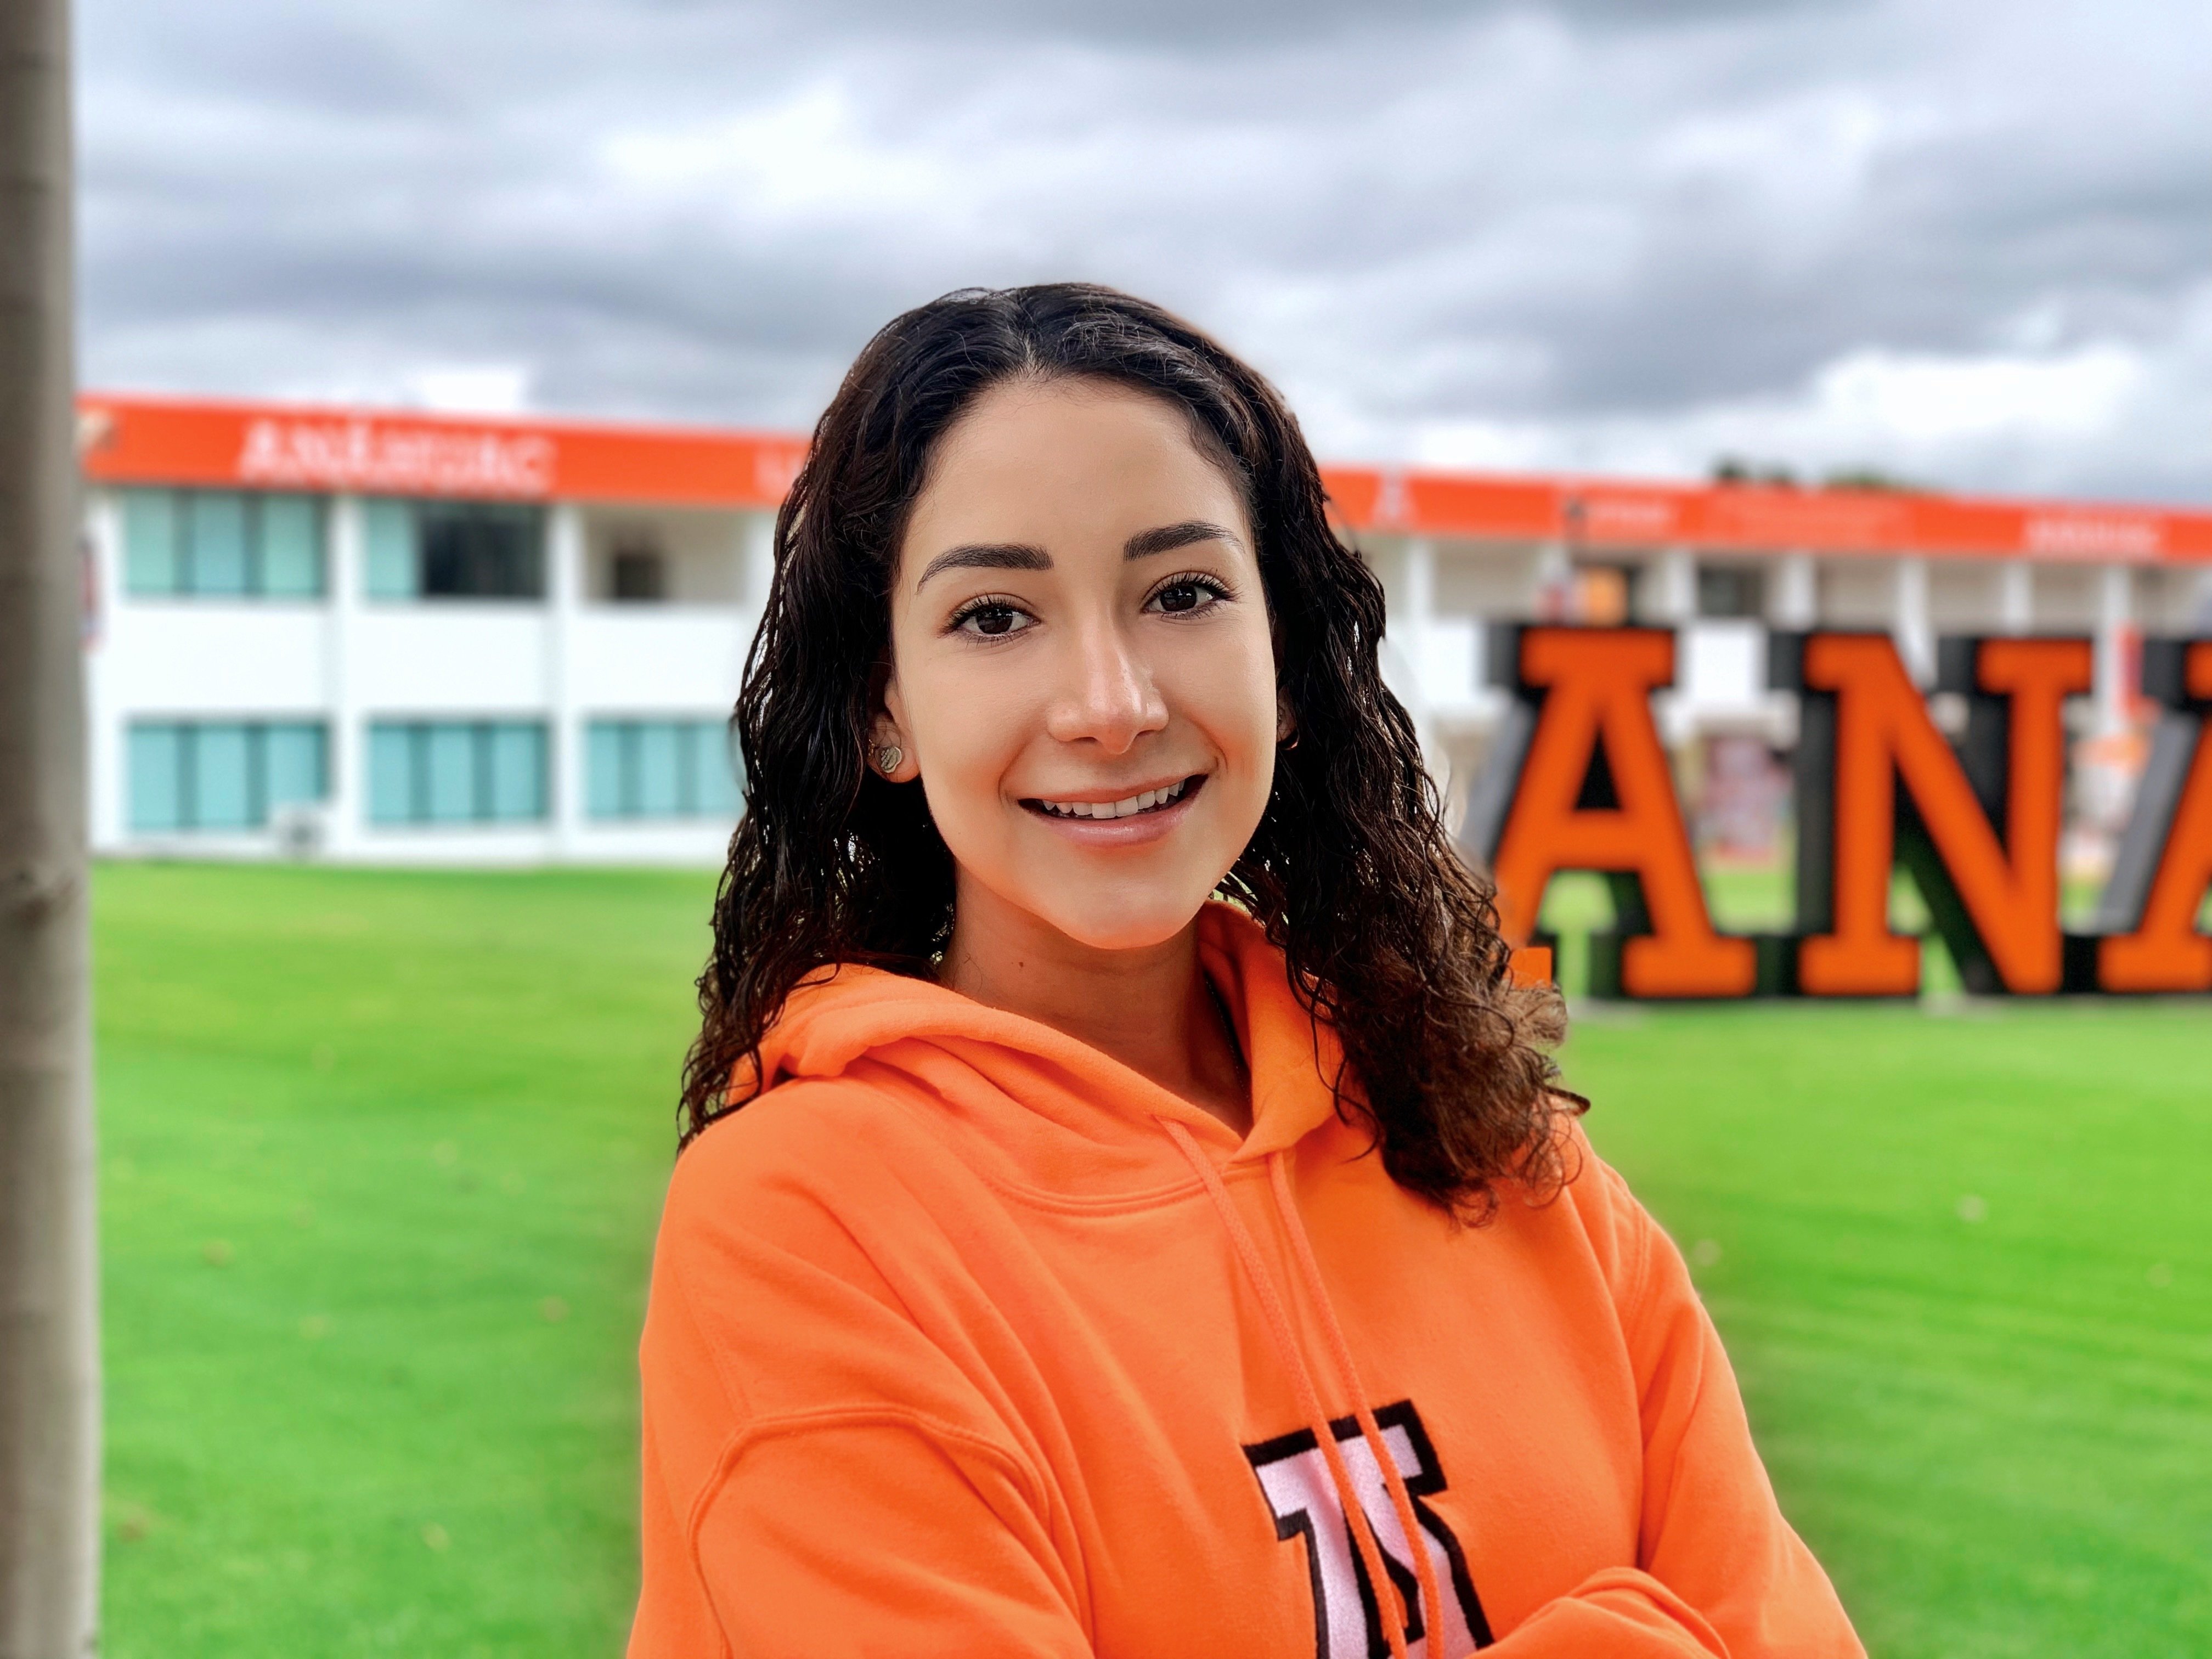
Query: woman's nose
point(1109, 697)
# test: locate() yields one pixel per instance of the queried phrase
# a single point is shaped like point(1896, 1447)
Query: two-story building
point(391, 637)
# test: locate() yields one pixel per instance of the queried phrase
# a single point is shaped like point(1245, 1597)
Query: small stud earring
point(888, 758)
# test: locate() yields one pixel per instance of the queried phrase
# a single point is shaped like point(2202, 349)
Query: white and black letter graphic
point(1347, 1620)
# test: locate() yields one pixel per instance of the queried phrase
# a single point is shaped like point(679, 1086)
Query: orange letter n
point(1864, 732)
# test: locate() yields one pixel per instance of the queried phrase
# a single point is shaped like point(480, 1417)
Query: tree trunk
point(49, 1331)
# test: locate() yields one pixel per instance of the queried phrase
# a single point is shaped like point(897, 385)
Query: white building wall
point(456, 657)
point(215, 657)
point(652, 660)
point(349, 661)
point(344, 823)
point(104, 756)
point(1721, 669)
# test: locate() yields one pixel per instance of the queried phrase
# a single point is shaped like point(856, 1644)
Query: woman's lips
point(1141, 823)
point(1149, 799)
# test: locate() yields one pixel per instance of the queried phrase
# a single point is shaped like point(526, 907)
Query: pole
point(49, 1331)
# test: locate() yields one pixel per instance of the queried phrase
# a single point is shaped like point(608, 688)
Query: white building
point(396, 640)
point(393, 638)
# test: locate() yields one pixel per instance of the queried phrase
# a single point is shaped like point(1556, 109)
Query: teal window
point(222, 775)
point(390, 527)
point(454, 549)
point(223, 544)
point(457, 772)
point(661, 770)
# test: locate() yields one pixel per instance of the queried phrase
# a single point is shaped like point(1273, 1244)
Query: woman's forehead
point(1067, 461)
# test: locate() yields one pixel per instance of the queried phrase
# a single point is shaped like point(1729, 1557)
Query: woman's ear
point(1287, 725)
point(890, 755)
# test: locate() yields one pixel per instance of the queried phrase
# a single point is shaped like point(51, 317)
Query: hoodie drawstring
point(1389, 1603)
point(1432, 1610)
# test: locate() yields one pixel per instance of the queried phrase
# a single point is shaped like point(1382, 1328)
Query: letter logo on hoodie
point(1347, 1623)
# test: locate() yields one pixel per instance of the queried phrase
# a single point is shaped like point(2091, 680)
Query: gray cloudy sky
point(1969, 240)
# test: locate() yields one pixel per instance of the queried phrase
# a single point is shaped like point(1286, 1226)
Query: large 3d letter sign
point(2149, 915)
point(1979, 829)
point(1578, 780)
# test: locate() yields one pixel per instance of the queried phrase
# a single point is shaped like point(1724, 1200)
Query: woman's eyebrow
point(1169, 536)
point(1003, 556)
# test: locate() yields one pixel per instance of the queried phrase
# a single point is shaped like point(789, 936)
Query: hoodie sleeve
point(1719, 1570)
point(878, 1532)
point(816, 1479)
point(861, 1530)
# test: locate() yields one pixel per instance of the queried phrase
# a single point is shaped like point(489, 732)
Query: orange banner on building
point(149, 441)
point(145, 439)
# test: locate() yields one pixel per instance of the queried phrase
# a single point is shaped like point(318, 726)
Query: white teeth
point(1143, 801)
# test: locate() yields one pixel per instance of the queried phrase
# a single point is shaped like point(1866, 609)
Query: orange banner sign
point(129, 440)
point(268, 446)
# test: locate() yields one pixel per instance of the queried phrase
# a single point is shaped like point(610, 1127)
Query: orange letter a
point(1581, 730)
point(2164, 864)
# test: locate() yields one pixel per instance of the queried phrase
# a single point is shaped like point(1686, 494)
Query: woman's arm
point(866, 1532)
point(1719, 1570)
point(818, 1480)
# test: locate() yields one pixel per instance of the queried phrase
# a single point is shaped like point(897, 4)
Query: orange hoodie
point(966, 1340)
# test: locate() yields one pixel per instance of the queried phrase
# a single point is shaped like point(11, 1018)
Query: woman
point(1128, 1208)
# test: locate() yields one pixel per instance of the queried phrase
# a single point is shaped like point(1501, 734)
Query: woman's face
point(1082, 673)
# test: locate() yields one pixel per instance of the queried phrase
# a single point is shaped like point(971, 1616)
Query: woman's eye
point(1186, 593)
point(994, 619)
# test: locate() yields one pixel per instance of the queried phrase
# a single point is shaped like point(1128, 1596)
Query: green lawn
point(1964, 1264)
point(383, 1154)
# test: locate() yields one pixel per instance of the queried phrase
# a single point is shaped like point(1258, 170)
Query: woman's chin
point(1120, 920)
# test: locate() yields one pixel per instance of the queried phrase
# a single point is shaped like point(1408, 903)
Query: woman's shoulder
point(784, 1246)
point(1590, 1199)
point(798, 1154)
point(782, 1225)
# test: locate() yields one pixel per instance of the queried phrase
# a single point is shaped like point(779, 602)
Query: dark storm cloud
point(1972, 240)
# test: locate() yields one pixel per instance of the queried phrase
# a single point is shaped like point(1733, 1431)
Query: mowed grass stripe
point(383, 1154)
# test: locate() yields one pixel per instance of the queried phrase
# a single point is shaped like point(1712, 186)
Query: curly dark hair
point(1389, 935)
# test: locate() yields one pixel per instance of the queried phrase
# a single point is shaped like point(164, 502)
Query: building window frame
point(438, 550)
point(661, 769)
point(241, 544)
point(278, 762)
point(1731, 591)
point(433, 773)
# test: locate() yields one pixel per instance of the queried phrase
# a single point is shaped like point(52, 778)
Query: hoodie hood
point(996, 1069)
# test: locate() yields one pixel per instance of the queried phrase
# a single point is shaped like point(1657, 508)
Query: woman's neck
point(1149, 1008)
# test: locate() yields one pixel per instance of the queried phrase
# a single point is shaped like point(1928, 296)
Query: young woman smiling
point(1128, 1208)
